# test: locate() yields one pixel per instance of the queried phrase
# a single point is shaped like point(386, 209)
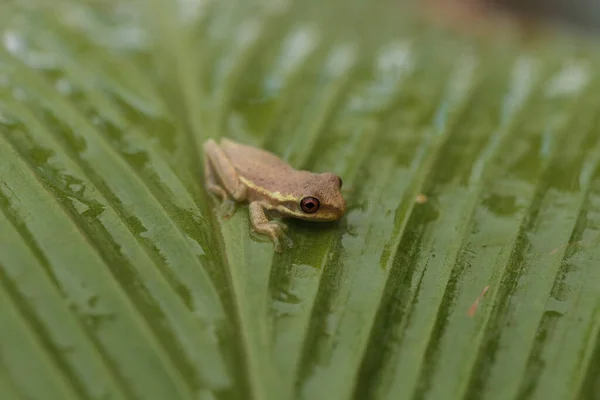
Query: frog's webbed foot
point(282, 237)
point(278, 236)
point(276, 233)
point(274, 229)
point(227, 208)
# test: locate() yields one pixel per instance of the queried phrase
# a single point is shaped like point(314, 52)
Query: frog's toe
point(280, 224)
point(227, 209)
point(278, 245)
point(280, 237)
point(288, 242)
point(282, 242)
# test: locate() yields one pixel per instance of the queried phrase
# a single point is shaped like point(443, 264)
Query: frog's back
point(253, 163)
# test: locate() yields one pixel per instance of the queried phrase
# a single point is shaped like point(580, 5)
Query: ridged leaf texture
point(467, 266)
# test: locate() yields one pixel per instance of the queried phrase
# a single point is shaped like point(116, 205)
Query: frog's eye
point(309, 205)
point(340, 182)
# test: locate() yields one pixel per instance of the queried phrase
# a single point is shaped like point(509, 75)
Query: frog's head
point(320, 198)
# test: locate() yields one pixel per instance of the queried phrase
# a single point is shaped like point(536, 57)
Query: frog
point(239, 173)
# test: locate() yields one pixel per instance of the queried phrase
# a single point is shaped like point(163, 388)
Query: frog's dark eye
point(340, 182)
point(309, 205)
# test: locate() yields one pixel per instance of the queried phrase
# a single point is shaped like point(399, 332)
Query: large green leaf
point(467, 267)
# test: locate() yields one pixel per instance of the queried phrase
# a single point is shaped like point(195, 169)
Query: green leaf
point(465, 268)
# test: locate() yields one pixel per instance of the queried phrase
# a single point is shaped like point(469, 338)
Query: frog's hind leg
point(227, 206)
point(210, 181)
point(224, 170)
point(217, 167)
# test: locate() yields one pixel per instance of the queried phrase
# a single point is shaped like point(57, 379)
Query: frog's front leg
point(261, 224)
point(218, 168)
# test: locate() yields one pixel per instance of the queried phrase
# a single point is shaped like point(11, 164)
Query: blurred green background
point(467, 266)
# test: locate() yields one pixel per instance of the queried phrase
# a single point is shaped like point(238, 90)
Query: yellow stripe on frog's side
point(313, 217)
point(275, 195)
point(286, 211)
point(282, 209)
